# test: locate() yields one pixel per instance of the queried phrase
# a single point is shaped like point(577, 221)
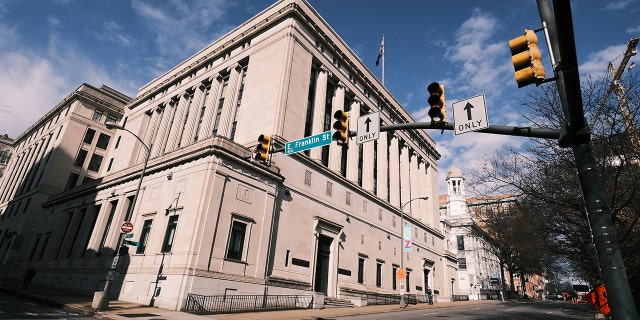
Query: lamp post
point(102, 302)
point(403, 304)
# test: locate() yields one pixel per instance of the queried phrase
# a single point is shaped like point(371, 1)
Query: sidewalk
point(120, 310)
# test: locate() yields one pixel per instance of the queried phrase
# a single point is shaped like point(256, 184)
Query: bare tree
point(550, 199)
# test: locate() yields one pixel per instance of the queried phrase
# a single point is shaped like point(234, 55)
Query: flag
point(632, 65)
point(381, 52)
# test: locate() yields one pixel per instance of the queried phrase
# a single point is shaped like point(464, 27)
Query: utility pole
point(577, 136)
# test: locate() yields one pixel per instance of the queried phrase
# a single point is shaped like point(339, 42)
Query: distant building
point(6, 150)
point(479, 272)
point(63, 149)
point(209, 220)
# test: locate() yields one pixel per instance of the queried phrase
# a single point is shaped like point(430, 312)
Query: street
point(526, 310)
point(16, 307)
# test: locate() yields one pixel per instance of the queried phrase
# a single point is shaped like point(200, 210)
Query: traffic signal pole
point(577, 136)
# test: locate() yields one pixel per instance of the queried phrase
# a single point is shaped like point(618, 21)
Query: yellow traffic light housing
point(438, 111)
point(526, 58)
point(264, 147)
point(341, 126)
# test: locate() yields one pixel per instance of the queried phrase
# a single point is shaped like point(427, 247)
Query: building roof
point(454, 173)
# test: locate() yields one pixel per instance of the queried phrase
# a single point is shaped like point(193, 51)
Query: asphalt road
point(15, 307)
point(513, 310)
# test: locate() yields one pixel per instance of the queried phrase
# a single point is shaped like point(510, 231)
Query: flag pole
point(382, 48)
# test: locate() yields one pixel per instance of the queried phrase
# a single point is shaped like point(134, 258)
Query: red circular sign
point(126, 227)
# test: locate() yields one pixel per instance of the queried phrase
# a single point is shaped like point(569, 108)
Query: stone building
point(210, 220)
point(479, 269)
point(63, 149)
point(6, 150)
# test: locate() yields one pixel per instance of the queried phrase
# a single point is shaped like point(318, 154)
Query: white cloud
point(618, 5)
point(597, 62)
point(182, 29)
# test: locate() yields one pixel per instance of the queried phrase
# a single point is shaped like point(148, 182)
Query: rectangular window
point(47, 236)
point(379, 274)
point(112, 212)
point(460, 242)
point(110, 164)
point(170, 234)
point(308, 124)
point(394, 282)
point(327, 120)
point(88, 136)
point(117, 142)
point(239, 102)
point(72, 181)
point(407, 286)
point(82, 155)
point(35, 246)
point(111, 118)
point(97, 115)
point(144, 236)
point(95, 162)
point(92, 224)
point(103, 141)
point(236, 240)
point(462, 263)
point(360, 270)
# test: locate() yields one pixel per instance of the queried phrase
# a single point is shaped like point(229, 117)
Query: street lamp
point(403, 304)
point(103, 300)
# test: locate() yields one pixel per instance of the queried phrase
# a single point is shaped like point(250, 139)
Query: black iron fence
point(460, 297)
point(243, 303)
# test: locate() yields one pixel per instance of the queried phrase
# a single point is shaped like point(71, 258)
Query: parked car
point(555, 296)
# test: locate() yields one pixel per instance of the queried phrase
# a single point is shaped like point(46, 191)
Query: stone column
point(414, 181)
point(319, 105)
point(383, 167)
point(394, 172)
point(405, 178)
point(229, 109)
point(210, 101)
point(192, 114)
point(368, 164)
point(353, 152)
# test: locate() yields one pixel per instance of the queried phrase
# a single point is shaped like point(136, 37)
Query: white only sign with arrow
point(368, 128)
point(470, 114)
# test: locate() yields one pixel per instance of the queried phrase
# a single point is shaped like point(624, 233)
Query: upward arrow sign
point(367, 123)
point(468, 108)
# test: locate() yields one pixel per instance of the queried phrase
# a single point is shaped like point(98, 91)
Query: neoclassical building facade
point(210, 220)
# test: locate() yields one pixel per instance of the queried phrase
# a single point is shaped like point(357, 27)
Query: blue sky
point(50, 47)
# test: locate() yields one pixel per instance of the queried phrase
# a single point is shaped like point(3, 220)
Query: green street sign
point(317, 140)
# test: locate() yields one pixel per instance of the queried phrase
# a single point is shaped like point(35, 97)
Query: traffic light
point(342, 127)
point(526, 56)
point(264, 147)
point(438, 111)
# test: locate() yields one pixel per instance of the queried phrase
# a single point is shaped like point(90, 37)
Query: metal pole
point(403, 304)
point(104, 300)
point(578, 137)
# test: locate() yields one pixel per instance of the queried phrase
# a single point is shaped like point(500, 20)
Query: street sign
point(470, 115)
point(401, 274)
point(317, 140)
point(407, 243)
point(126, 227)
point(368, 127)
point(128, 236)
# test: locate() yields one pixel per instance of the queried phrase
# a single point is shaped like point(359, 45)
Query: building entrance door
point(322, 264)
